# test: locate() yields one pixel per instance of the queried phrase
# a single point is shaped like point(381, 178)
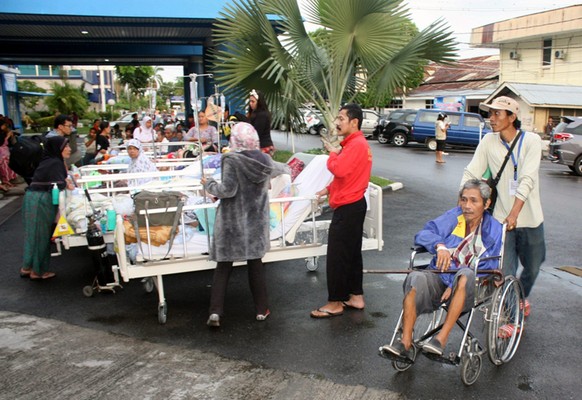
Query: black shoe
point(213, 320)
point(398, 349)
point(433, 346)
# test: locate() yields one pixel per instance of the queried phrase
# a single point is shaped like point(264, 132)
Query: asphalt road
point(342, 349)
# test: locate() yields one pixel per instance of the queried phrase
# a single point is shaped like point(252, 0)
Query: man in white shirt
point(518, 191)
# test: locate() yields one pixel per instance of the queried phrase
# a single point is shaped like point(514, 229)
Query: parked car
point(369, 123)
point(463, 130)
point(566, 144)
point(396, 128)
point(124, 120)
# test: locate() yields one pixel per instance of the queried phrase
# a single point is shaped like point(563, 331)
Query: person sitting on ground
point(139, 163)
point(456, 239)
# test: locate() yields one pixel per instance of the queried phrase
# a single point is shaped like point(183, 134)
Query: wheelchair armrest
point(418, 249)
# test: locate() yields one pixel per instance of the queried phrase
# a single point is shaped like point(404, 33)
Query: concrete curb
point(394, 186)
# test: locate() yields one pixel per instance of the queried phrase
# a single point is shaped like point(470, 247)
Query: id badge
point(513, 187)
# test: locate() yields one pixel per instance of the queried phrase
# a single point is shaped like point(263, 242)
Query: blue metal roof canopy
point(109, 32)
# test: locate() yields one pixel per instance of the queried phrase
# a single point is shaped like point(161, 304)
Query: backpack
point(25, 155)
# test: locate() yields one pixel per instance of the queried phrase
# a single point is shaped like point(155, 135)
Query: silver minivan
point(566, 144)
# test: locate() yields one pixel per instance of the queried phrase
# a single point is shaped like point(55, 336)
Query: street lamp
point(111, 102)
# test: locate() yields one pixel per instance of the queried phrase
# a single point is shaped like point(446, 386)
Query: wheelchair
point(499, 298)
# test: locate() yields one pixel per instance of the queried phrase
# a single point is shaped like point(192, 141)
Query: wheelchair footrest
point(394, 357)
point(452, 358)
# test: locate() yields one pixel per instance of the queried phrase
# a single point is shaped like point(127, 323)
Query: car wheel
point(399, 139)
point(431, 144)
point(382, 139)
point(578, 166)
point(313, 130)
point(322, 130)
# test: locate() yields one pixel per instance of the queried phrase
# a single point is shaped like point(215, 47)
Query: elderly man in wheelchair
point(457, 238)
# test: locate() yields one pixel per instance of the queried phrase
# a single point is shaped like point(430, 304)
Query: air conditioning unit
point(514, 55)
point(560, 54)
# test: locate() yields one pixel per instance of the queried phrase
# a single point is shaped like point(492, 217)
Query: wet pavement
point(55, 343)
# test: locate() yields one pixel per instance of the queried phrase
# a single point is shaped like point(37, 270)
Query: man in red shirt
point(350, 165)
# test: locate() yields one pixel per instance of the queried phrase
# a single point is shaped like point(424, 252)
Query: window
point(429, 104)
point(394, 103)
point(472, 121)
point(547, 53)
point(27, 70)
point(44, 70)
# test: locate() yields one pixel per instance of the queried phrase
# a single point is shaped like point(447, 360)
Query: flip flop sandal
point(325, 314)
point(525, 306)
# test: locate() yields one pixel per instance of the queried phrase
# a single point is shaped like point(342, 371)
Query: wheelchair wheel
point(470, 368)
point(505, 312)
point(402, 366)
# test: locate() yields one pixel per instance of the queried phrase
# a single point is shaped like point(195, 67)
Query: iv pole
point(195, 109)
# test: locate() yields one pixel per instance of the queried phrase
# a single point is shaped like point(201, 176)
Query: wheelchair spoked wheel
point(402, 366)
point(505, 312)
point(470, 368)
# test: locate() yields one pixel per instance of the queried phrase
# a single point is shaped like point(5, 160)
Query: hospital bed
point(296, 230)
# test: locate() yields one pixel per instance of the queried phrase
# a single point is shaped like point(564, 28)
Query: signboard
point(450, 103)
point(10, 82)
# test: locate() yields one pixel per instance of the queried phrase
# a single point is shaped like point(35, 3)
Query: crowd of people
point(467, 231)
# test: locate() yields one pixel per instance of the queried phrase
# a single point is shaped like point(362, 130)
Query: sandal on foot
point(25, 272)
point(507, 331)
point(262, 317)
point(525, 306)
point(47, 275)
point(325, 313)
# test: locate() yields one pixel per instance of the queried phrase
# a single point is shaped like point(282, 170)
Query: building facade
point(540, 63)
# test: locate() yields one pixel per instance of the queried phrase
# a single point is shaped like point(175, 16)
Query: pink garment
point(6, 174)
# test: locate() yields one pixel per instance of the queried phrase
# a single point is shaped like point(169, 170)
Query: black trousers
point(344, 251)
point(257, 283)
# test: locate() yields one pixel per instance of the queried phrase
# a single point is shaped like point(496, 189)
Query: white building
point(540, 63)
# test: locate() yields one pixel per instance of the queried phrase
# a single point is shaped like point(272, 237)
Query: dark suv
point(396, 129)
point(566, 144)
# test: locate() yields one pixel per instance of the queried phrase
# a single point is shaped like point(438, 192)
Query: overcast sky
point(461, 15)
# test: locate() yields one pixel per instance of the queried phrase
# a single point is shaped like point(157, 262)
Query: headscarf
point(135, 143)
point(54, 147)
point(243, 136)
point(143, 133)
point(139, 164)
point(52, 167)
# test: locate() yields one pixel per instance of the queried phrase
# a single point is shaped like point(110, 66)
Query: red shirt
point(351, 169)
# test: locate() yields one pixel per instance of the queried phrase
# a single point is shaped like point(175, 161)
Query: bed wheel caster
point(311, 264)
point(88, 291)
point(162, 313)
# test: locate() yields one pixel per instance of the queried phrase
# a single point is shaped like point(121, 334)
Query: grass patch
point(382, 182)
point(284, 156)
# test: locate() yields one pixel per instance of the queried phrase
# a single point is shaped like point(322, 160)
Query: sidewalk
point(43, 358)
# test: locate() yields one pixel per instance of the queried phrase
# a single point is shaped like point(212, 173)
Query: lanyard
point(513, 160)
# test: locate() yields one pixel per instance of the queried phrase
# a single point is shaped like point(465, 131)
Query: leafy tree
point(30, 102)
point(67, 98)
point(136, 78)
point(363, 43)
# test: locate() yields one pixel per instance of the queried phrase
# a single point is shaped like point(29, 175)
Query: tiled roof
point(467, 75)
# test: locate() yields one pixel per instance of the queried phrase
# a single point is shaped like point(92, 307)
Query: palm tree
point(362, 42)
point(67, 98)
